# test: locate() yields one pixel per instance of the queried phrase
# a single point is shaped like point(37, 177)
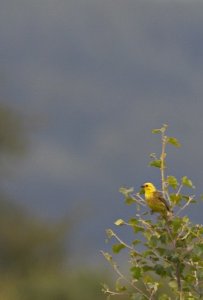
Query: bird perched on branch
point(155, 200)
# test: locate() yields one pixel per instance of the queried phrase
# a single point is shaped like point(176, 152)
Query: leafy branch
point(166, 250)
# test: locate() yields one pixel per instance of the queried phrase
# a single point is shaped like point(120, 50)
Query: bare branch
point(186, 204)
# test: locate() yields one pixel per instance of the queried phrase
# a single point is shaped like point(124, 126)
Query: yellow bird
point(155, 200)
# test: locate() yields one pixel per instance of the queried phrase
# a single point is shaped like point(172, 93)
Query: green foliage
point(172, 181)
point(173, 141)
point(166, 255)
point(187, 182)
point(155, 163)
point(116, 248)
point(119, 222)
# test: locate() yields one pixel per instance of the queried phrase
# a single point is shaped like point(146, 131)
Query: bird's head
point(148, 187)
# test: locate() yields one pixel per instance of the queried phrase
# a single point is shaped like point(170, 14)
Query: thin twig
point(130, 282)
point(179, 189)
point(122, 242)
point(139, 200)
point(122, 276)
point(186, 204)
point(162, 158)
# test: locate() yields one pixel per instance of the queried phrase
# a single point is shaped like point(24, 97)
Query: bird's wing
point(161, 198)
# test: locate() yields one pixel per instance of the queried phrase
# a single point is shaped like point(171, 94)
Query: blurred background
point(83, 83)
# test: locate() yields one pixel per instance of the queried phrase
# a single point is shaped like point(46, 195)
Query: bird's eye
point(146, 185)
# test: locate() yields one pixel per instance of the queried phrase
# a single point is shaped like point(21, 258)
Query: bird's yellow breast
point(154, 202)
point(149, 195)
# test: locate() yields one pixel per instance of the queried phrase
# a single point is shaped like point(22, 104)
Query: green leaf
point(147, 268)
point(126, 191)
point(163, 238)
point(119, 222)
point(134, 253)
point(160, 270)
point(187, 182)
point(164, 297)
point(137, 228)
point(190, 278)
point(173, 141)
point(175, 258)
point(136, 272)
point(148, 253)
point(175, 199)
point(160, 130)
point(151, 283)
point(155, 163)
point(129, 200)
point(200, 246)
point(120, 287)
point(156, 131)
point(109, 233)
point(136, 242)
point(185, 220)
point(136, 296)
point(127, 194)
point(173, 284)
point(177, 223)
point(133, 222)
point(153, 241)
point(117, 248)
point(172, 181)
point(198, 250)
point(148, 279)
point(161, 251)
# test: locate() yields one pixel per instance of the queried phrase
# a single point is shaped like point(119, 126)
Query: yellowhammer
point(155, 200)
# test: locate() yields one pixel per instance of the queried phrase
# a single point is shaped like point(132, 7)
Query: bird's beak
point(142, 186)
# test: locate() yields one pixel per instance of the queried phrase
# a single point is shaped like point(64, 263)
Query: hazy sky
point(99, 75)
